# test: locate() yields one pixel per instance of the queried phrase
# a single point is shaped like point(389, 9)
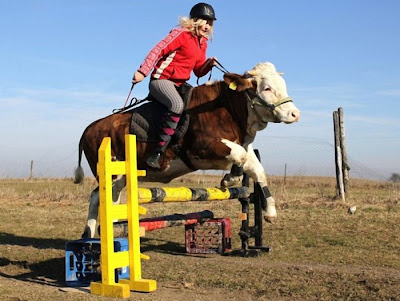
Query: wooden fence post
point(338, 157)
point(284, 176)
point(343, 147)
point(31, 174)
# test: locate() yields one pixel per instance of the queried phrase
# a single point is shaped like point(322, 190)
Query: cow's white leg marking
point(92, 214)
point(238, 156)
point(256, 171)
point(90, 228)
point(118, 185)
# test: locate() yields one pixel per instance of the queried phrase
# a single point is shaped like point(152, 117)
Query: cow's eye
point(267, 89)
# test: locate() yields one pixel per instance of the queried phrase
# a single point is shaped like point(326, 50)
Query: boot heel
point(153, 160)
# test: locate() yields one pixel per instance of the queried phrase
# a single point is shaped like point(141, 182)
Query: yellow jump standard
point(130, 211)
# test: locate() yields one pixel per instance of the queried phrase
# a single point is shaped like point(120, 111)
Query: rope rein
point(133, 102)
point(219, 67)
point(254, 101)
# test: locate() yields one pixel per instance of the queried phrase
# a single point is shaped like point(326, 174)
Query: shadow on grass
point(161, 246)
point(48, 272)
point(51, 272)
point(38, 243)
point(164, 246)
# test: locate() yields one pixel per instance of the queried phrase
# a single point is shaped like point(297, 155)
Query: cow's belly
point(178, 168)
point(212, 164)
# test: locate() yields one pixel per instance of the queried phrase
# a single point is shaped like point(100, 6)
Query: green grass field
point(319, 250)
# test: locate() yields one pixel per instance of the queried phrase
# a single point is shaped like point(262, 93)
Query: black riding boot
point(167, 129)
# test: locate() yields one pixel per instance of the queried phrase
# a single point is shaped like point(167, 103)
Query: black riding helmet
point(202, 11)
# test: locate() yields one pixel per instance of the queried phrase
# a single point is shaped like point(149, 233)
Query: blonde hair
point(193, 26)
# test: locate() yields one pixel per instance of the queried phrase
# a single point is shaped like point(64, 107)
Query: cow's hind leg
point(90, 228)
point(118, 185)
point(256, 171)
point(92, 215)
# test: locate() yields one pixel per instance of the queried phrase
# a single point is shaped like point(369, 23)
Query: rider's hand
point(213, 61)
point(137, 77)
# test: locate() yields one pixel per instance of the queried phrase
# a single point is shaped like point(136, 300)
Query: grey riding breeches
point(165, 92)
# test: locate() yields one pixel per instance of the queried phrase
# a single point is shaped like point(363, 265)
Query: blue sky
point(66, 63)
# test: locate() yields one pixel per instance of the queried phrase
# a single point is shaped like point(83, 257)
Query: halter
point(256, 100)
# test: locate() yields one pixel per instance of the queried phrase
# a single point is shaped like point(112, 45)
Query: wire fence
point(299, 156)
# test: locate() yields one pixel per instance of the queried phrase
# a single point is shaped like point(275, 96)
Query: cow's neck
point(236, 104)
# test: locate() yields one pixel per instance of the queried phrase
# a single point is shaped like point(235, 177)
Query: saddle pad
point(146, 119)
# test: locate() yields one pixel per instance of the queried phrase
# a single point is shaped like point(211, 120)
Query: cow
point(224, 117)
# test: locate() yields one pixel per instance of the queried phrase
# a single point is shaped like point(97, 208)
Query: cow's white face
point(271, 90)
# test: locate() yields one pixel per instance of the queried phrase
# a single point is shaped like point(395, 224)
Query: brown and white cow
point(224, 119)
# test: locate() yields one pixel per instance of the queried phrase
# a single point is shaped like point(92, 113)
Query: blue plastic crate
point(82, 261)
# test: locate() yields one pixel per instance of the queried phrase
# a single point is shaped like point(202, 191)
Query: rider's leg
point(165, 92)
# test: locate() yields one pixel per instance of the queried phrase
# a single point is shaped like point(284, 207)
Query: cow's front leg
point(234, 177)
point(256, 171)
point(238, 156)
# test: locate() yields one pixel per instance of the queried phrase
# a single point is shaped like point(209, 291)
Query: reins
point(133, 102)
point(130, 91)
point(219, 67)
point(255, 100)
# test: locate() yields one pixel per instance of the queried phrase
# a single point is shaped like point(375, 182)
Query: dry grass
point(319, 251)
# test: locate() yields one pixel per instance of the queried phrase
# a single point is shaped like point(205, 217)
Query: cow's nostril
point(296, 114)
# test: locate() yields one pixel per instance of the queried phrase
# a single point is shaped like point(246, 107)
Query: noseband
point(257, 101)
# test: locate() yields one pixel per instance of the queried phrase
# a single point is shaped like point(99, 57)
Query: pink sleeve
point(165, 46)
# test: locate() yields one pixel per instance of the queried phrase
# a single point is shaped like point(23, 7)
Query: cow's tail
point(79, 174)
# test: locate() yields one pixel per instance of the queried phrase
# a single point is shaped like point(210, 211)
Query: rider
point(172, 60)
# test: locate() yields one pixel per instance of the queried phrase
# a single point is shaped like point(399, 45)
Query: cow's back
point(115, 126)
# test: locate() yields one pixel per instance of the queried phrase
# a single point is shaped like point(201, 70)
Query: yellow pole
point(136, 282)
point(109, 212)
point(107, 286)
point(185, 194)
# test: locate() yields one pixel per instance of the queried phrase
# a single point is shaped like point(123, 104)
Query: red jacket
point(176, 56)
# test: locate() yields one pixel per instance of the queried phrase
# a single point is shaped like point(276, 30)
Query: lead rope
point(129, 95)
point(133, 102)
point(219, 67)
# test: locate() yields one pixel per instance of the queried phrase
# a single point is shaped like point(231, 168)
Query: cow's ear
point(237, 82)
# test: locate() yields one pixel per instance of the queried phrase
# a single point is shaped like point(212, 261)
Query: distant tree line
point(395, 178)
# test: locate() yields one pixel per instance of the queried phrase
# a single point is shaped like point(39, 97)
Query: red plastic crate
point(212, 236)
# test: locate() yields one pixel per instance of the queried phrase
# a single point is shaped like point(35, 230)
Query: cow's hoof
point(153, 160)
point(86, 233)
point(270, 219)
point(229, 181)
